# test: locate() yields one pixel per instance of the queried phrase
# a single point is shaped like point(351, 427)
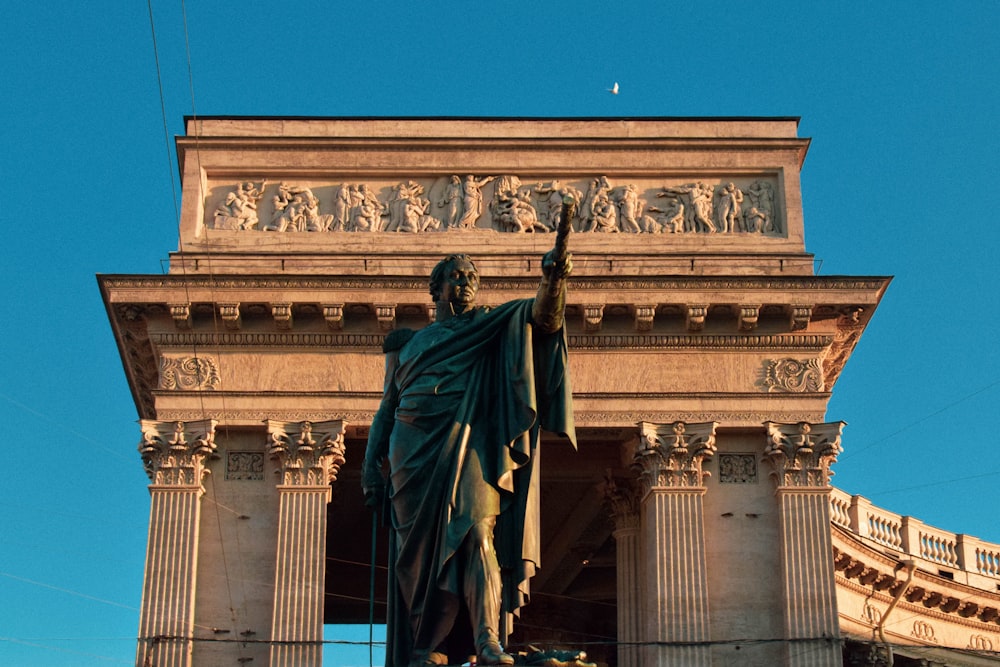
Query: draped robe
point(459, 424)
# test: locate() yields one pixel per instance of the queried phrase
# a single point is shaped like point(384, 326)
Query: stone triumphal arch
point(697, 512)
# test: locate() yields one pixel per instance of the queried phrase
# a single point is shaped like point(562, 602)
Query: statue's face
point(461, 285)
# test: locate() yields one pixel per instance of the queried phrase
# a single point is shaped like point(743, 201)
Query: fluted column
point(174, 454)
point(623, 504)
point(672, 576)
point(309, 456)
point(801, 455)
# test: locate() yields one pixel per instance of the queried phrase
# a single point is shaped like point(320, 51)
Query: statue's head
point(455, 280)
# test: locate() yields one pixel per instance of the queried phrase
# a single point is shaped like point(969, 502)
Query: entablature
point(926, 593)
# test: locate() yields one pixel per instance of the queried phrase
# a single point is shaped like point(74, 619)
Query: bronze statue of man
point(459, 424)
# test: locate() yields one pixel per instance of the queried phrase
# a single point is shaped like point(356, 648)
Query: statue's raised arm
point(548, 312)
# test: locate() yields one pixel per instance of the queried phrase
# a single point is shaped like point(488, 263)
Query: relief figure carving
point(451, 202)
point(457, 202)
point(472, 200)
point(730, 208)
point(761, 195)
point(239, 210)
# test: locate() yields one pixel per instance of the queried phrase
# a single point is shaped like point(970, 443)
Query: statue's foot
point(490, 653)
point(432, 658)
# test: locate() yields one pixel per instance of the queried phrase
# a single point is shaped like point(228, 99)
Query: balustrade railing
point(914, 538)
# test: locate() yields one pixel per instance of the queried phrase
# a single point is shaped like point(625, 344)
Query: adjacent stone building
point(696, 525)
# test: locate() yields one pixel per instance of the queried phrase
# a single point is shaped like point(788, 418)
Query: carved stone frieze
point(792, 375)
point(256, 416)
point(307, 453)
point(189, 374)
point(847, 337)
point(801, 454)
point(499, 202)
point(672, 455)
point(141, 363)
point(637, 341)
point(175, 453)
point(218, 339)
point(738, 468)
point(244, 466)
point(923, 631)
point(646, 284)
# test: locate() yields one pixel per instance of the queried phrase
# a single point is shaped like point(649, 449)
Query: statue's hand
point(374, 497)
point(554, 269)
point(373, 486)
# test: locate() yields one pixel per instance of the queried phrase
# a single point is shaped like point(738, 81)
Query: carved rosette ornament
point(174, 453)
point(672, 455)
point(307, 453)
point(802, 453)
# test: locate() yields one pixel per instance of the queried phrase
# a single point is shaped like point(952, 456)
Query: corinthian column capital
point(307, 453)
point(801, 454)
point(621, 498)
point(671, 455)
point(174, 453)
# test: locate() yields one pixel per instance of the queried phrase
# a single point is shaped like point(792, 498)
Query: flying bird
point(613, 89)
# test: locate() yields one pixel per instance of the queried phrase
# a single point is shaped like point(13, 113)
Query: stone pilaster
point(174, 454)
point(672, 576)
point(801, 455)
point(309, 456)
point(622, 499)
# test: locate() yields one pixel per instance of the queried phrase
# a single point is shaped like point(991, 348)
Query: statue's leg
point(482, 588)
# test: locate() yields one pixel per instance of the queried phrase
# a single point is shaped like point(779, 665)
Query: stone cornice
point(496, 147)
point(577, 283)
point(638, 341)
point(583, 418)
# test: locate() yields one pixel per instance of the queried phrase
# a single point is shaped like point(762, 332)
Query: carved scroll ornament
point(793, 375)
point(189, 373)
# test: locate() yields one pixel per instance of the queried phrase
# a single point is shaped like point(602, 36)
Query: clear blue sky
point(900, 100)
